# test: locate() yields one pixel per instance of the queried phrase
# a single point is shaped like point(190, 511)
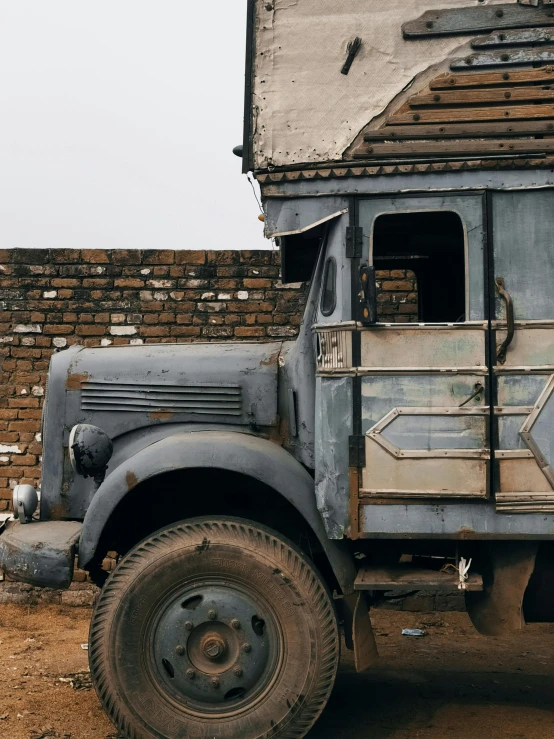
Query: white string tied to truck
point(463, 569)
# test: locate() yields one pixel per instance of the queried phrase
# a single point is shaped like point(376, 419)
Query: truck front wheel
point(214, 629)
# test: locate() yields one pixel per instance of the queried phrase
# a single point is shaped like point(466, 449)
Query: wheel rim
point(215, 648)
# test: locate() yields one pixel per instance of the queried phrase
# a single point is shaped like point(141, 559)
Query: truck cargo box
point(403, 80)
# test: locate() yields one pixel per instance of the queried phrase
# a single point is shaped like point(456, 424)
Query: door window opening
point(432, 245)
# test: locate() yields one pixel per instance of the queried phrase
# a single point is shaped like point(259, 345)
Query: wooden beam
point(478, 96)
point(470, 114)
point(462, 130)
point(407, 577)
point(519, 37)
point(486, 147)
point(508, 57)
point(482, 79)
point(461, 21)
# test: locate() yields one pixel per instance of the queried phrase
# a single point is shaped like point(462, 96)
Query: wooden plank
point(461, 130)
point(471, 114)
point(461, 21)
point(441, 148)
point(526, 37)
point(405, 577)
point(511, 57)
point(482, 79)
point(477, 96)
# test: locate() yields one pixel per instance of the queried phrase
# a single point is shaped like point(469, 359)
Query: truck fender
point(243, 453)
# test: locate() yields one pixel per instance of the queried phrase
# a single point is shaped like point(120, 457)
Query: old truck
point(260, 496)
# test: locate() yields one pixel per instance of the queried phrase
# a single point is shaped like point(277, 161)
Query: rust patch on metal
point(75, 381)
point(354, 523)
point(58, 512)
point(466, 531)
point(161, 415)
point(131, 479)
point(271, 361)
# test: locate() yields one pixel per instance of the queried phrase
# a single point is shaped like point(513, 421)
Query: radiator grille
point(202, 399)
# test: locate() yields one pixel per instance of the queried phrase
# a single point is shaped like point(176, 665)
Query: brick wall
point(53, 298)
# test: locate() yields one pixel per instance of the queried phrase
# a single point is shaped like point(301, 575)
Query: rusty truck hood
point(119, 388)
point(130, 390)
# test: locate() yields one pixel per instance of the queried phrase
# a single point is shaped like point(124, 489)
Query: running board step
point(406, 577)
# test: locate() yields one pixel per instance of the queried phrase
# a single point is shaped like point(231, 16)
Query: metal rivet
point(429, 24)
point(237, 672)
point(452, 81)
point(436, 98)
point(469, 60)
point(191, 674)
point(215, 682)
point(505, 76)
point(235, 623)
point(246, 647)
point(508, 95)
point(180, 650)
point(212, 615)
point(499, 13)
point(417, 117)
point(189, 625)
point(505, 57)
point(370, 149)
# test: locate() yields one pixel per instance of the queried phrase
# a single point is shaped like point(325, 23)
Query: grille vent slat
point(199, 399)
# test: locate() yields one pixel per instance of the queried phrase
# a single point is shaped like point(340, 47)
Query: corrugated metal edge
point(375, 169)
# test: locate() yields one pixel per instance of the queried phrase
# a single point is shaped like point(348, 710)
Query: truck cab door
point(522, 349)
point(423, 395)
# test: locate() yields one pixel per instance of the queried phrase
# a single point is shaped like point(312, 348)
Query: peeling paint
point(131, 480)
point(74, 381)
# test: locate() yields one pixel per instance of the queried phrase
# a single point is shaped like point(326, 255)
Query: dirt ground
point(451, 683)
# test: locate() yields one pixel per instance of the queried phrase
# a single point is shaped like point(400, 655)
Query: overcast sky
point(117, 123)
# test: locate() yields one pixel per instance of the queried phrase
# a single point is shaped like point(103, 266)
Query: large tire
point(214, 629)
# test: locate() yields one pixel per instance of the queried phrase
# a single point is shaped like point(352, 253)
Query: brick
point(65, 282)
point(397, 285)
point(185, 331)
point(249, 331)
point(58, 329)
point(256, 282)
point(128, 282)
point(95, 256)
point(154, 331)
point(155, 256)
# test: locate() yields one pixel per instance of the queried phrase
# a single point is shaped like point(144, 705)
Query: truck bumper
point(40, 553)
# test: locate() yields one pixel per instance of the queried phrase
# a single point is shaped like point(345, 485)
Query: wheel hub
point(213, 646)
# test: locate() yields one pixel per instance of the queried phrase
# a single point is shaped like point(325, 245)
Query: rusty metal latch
point(503, 348)
point(477, 390)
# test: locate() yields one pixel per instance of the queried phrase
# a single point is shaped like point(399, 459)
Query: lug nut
point(180, 650)
point(189, 625)
point(246, 647)
point(235, 623)
point(191, 674)
point(215, 682)
point(237, 672)
point(212, 615)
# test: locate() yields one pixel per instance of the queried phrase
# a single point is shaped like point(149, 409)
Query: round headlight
point(25, 502)
point(90, 450)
